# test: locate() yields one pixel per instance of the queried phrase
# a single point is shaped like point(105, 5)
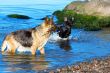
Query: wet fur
point(24, 37)
point(64, 30)
point(31, 39)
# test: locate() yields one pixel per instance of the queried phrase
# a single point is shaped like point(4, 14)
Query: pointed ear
point(52, 17)
point(72, 18)
point(51, 20)
point(46, 20)
point(65, 19)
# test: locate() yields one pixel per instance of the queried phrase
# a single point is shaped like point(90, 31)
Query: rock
point(92, 7)
point(18, 16)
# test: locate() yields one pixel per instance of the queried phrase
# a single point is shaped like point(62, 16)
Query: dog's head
point(69, 21)
point(49, 24)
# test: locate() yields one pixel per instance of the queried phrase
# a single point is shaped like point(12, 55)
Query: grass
point(86, 22)
point(18, 16)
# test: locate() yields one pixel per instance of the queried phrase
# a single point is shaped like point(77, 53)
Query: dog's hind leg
point(12, 46)
point(8, 47)
point(4, 46)
point(13, 50)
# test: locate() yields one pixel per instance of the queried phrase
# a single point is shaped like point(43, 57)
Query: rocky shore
point(94, 66)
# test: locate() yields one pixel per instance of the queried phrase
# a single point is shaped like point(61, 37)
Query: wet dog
point(64, 29)
point(29, 40)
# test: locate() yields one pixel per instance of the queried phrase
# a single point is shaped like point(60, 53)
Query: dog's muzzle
point(53, 28)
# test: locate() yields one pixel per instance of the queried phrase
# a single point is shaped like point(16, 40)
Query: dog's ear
point(51, 20)
point(72, 18)
point(65, 19)
point(46, 20)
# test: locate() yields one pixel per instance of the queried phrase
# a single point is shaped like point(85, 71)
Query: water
point(82, 45)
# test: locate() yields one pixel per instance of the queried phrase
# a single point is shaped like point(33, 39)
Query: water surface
point(59, 52)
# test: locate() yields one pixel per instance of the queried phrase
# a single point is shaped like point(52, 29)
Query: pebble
point(95, 66)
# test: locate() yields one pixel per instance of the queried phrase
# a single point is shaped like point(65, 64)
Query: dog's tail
point(4, 46)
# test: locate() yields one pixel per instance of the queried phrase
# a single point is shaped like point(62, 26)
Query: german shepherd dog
point(64, 29)
point(29, 40)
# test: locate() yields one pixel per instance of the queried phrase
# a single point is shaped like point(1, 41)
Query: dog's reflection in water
point(24, 63)
point(64, 44)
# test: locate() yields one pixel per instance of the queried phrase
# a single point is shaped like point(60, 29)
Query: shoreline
point(95, 65)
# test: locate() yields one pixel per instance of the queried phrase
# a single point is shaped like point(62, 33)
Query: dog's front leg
point(13, 50)
point(33, 50)
point(42, 51)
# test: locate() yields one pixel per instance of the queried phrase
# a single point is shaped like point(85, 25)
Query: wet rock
point(18, 16)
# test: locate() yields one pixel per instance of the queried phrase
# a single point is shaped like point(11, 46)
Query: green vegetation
point(18, 16)
point(86, 22)
point(61, 14)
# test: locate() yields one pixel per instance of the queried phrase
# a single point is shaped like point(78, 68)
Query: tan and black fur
point(32, 39)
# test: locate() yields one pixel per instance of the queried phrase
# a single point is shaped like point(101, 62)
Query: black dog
point(64, 30)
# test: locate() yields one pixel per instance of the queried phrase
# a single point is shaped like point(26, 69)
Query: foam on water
point(75, 34)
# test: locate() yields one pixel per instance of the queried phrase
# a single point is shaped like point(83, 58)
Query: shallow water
point(82, 45)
